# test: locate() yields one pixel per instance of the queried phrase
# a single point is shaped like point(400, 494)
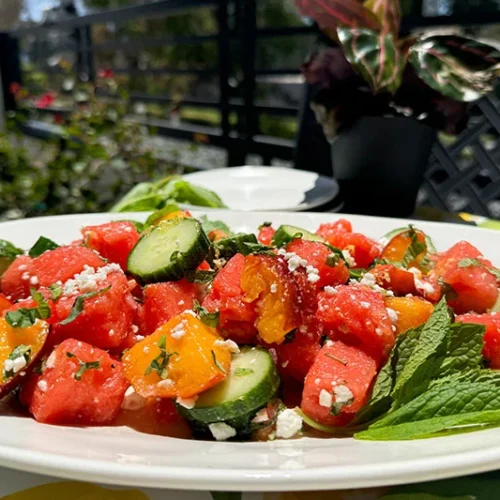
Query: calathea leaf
point(331, 13)
point(388, 12)
point(374, 56)
point(457, 67)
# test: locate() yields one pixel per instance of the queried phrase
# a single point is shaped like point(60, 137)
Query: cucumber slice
point(326, 429)
point(388, 237)
point(250, 385)
point(228, 247)
point(167, 251)
point(285, 234)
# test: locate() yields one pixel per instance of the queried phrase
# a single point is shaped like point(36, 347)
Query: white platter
point(121, 456)
point(267, 188)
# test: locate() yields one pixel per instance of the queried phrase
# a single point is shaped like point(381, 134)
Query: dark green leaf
point(374, 56)
point(79, 303)
point(7, 249)
point(201, 277)
point(465, 349)
point(26, 317)
point(56, 291)
point(209, 318)
point(357, 274)
point(457, 67)
point(181, 191)
point(335, 257)
point(41, 246)
point(258, 249)
point(43, 309)
point(426, 358)
point(265, 224)
point(217, 364)
point(139, 198)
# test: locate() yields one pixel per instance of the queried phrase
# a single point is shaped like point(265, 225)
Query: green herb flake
point(79, 303)
point(243, 372)
point(257, 249)
point(21, 351)
point(331, 356)
point(464, 263)
point(265, 224)
point(27, 316)
point(84, 367)
point(160, 363)
point(42, 245)
point(415, 249)
point(201, 277)
point(210, 319)
point(217, 364)
point(56, 291)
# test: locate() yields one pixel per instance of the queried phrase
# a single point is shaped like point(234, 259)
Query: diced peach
point(412, 311)
point(187, 356)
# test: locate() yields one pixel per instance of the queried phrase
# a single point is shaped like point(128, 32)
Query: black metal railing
point(236, 21)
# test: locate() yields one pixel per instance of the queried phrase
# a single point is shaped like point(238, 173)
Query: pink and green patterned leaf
point(457, 67)
point(332, 13)
point(374, 56)
point(388, 13)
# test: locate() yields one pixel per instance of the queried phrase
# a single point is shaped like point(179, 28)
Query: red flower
point(106, 73)
point(15, 88)
point(45, 101)
point(58, 119)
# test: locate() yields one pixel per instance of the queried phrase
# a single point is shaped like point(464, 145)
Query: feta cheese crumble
point(51, 362)
point(293, 260)
point(330, 290)
point(273, 288)
point(369, 280)
point(89, 279)
point(288, 423)
point(133, 401)
point(178, 331)
point(232, 346)
point(393, 315)
point(34, 280)
point(349, 258)
point(221, 431)
point(312, 274)
point(15, 365)
point(325, 399)
point(187, 402)
point(42, 385)
point(364, 305)
point(343, 394)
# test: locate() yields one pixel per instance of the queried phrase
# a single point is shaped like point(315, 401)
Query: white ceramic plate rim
point(242, 466)
point(319, 198)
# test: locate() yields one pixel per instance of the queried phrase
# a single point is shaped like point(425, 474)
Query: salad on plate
point(181, 327)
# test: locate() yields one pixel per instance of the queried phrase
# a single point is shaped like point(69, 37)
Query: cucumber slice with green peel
point(285, 234)
point(168, 251)
point(388, 237)
point(250, 385)
point(228, 247)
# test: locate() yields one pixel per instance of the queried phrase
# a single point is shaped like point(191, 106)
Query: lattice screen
point(464, 174)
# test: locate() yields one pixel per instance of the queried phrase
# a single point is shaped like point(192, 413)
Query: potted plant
point(381, 98)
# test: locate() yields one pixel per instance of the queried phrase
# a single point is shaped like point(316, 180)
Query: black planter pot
point(380, 163)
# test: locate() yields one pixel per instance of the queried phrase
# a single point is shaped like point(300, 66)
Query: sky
point(35, 8)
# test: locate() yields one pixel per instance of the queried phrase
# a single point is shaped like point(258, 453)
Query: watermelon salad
point(181, 327)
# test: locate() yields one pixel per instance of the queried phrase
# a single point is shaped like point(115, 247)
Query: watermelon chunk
point(163, 301)
point(357, 315)
point(113, 240)
point(237, 318)
point(338, 384)
point(106, 319)
point(65, 395)
point(316, 254)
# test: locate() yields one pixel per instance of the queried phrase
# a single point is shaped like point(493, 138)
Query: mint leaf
point(425, 360)
point(160, 363)
point(41, 246)
point(217, 363)
point(56, 291)
point(201, 277)
point(414, 250)
point(212, 225)
point(210, 319)
point(465, 349)
point(381, 400)
point(21, 351)
point(78, 305)
point(432, 427)
point(478, 263)
point(27, 316)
